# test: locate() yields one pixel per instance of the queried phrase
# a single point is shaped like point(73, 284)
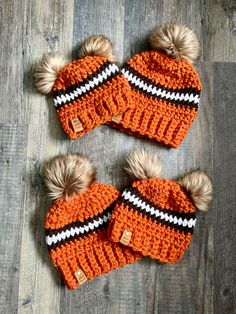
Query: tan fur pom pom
point(143, 165)
point(66, 175)
point(97, 46)
point(176, 40)
point(46, 72)
point(199, 187)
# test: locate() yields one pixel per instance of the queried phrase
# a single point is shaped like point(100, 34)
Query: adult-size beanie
point(165, 87)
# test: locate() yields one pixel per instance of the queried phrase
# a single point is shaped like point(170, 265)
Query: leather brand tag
point(77, 125)
point(117, 118)
point(126, 237)
point(80, 276)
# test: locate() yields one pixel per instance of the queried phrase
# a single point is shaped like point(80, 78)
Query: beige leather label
point(80, 276)
point(117, 118)
point(126, 237)
point(77, 125)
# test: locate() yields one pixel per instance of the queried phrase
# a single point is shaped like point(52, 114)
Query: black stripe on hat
point(69, 95)
point(55, 233)
point(167, 212)
point(188, 91)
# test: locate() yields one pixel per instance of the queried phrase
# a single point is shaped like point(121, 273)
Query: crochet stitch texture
point(160, 217)
point(76, 235)
point(92, 90)
point(164, 98)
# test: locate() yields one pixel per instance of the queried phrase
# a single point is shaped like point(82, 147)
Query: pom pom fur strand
point(97, 45)
point(143, 165)
point(199, 188)
point(46, 72)
point(176, 40)
point(67, 175)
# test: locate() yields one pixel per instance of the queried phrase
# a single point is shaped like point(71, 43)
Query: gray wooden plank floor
point(205, 280)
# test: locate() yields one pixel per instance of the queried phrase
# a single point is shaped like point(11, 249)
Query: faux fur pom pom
point(97, 45)
point(46, 72)
point(199, 187)
point(176, 40)
point(143, 165)
point(66, 175)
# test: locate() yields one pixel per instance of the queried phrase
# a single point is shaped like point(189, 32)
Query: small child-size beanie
point(76, 224)
point(165, 87)
point(156, 216)
point(86, 92)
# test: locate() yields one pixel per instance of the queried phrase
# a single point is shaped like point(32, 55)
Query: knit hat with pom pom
point(86, 92)
point(76, 224)
point(155, 216)
point(165, 87)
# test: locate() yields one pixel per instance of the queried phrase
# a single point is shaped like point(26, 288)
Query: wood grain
point(12, 168)
point(48, 27)
point(219, 30)
point(204, 281)
point(225, 176)
point(11, 65)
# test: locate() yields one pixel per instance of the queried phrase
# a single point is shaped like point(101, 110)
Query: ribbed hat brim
point(149, 238)
point(94, 255)
point(96, 108)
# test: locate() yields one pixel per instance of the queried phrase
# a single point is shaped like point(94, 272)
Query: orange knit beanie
point(155, 216)
point(76, 224)
point(86, 92)
point(165, 87)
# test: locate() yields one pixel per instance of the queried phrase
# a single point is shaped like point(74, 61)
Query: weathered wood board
point(205, 280)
